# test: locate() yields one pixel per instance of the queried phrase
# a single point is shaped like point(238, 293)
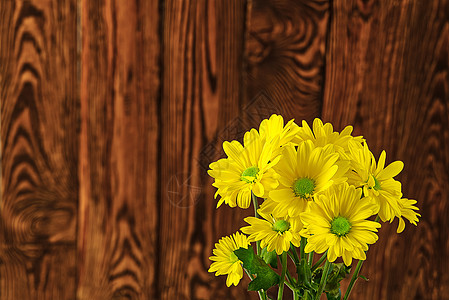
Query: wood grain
point(387, 74)
point(117, 236)
point(285, 50)
point(39, 141)
point(104, 152)
point(202, 78)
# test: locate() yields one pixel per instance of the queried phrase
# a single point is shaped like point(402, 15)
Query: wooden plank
point(387, 74)
point(202, 91)
point(39, 140)
point(285, 53)
point(117, 236)
point(37, 271)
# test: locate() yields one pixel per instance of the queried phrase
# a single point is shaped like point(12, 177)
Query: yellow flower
point(224, 259)
point(274, 129)
point(377, 180)
point(247, 169)
point(407, 211)
point(274, 233)
point(337, 223)
point(323, 135)
point(303, 173)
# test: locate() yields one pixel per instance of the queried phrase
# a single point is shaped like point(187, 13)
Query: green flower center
point(340, 226)
point(233, 257)
point(281, 226)
point(303, 187)
point(376, 184)
point(249, 175)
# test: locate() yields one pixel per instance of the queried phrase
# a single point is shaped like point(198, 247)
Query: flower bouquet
point(314, 192)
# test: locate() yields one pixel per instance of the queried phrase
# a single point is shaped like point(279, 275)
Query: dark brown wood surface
point(120, 78)
point(201, 96)
point(39, 141)
point(111, 112)
point(285, 58)
point(387, 74)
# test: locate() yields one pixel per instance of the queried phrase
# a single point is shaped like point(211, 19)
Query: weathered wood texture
point(117, 229)
point(285, 50)
point(203, 44)
point(39, 141)
point(104, 191)
point(387, 74)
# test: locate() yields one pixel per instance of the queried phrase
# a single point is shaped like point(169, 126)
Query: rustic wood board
point(39, 141)
point(118, 210)
point(201, 97)
point(111, 112)
point(387, 74)
point(285, 51)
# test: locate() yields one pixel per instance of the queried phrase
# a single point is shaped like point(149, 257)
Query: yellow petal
point(391, 170)
point(401, 225)
point(381, 162)
point(233, 150)
point(282, 195)
point(258, 189)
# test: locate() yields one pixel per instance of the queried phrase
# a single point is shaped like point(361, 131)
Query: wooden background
point(112, 110)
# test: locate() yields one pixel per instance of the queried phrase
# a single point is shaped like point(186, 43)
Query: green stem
point(307, 295)
point(256, 214)
point(284, 270)
point(296, 295)
point(291, 283)
point(323, 280)
point(377, 219)
point(294, 256)
point(310, 260)
point(262, 293)
point(290, 278)
point(256, 205)
point(249, 274)
point(319, 262)
point(303, 246)
point(354, 278)
point(290, 286)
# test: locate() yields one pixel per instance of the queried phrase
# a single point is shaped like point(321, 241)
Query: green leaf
point(334, 295)
point(338, 273)
point(363, 277)
point(318, 273)
point(305, 275)
point(265, 276)
point(307, 295)
point(269, 257)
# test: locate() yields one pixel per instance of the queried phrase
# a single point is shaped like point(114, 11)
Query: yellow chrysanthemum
point(274, 233)
point(323, 135)
point(224, 259)
point(377, 180)
point(304, 172)
point(273, 129)
point(247, 169)
point(337, 223)
point(407, 208)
